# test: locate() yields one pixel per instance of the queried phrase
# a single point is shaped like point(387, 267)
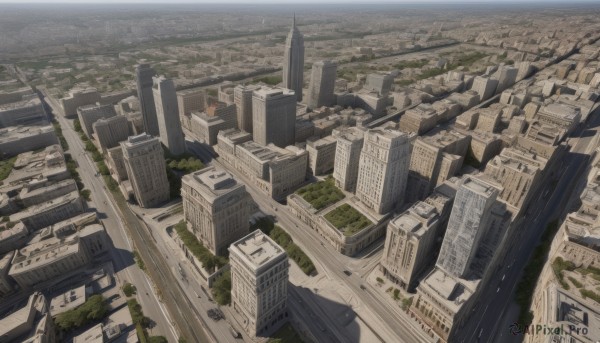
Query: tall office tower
point(469, 221)
point(216, 206)
point(410, 244)
point(383, 169)
point(242, 97)
point(259, 278)
point(347, 155)
point(322, 84)
point(274, 116)
point(167, 114)
point(293, 61)
point(146, 169)
point(143, 76)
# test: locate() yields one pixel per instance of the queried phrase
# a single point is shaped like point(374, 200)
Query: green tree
point(222, 289)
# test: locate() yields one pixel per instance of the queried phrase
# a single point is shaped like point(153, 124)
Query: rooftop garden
point(321, 194)
point(348, 220)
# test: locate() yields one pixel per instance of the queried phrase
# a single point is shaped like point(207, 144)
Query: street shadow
point(194, 146)
point(122, 259)
point(327, 313)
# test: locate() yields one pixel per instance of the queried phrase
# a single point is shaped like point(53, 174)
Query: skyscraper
point(347, 155)
point(322, 84)
point(146, 169)
point(143, 77)
point(383, 169)
point(293, 61)
point(259, 279)
point(469, 220)
point(274, 116)
point(242, 97)
point(167, 114)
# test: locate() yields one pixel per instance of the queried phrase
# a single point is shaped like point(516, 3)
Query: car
point(347, 272)
point(234, 332)
point(363, 287)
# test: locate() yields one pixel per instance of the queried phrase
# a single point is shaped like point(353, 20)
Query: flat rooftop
point(13, 133)
point(478, 186)
point(257, 249)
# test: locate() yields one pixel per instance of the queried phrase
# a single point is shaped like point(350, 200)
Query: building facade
point(347, 156)
point(110, 132)
point(146, 169)
point(259, 279)
point(167, 114)
point(242, 97)
point(322, 84)
point(274, 116)
point(383, 169)
point(469, 220)
point(216, 206)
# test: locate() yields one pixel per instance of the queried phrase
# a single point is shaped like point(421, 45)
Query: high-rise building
point(259, 279)
point(167, 114)
point(293, 61)
point(242, 97)
point(274, 116)
point(216, 206)
point(143, 76)
point(347, 155)
point(110, 132)
point(468, 223)
point(322, 84)
point(409, 244)
point(146, 169)
point(380, 83)
point(383, 169)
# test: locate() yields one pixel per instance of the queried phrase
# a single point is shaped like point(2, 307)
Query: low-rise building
point(27, 111)
point(31, 323)
point(55, 257)
point(50, 212)
point(78, 98)
point(419, 119)
point(7, 285)
point(18, 139)
point(35, 193)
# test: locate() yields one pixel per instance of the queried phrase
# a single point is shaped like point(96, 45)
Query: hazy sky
point(281, 2)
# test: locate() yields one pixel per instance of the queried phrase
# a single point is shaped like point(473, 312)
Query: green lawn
point(287, 334)
point(348, 220)
point(6, 167)
point(321, 194)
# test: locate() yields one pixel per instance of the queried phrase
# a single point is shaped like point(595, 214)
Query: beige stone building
point(191, 100)
point(216, 206)
point(259, 280)
point(321, 154)
point(347, 156)
point(274, 116)
point(383, 170)
point(146, 169)
point(89, 114)
point(50, 212)
point(409, 244)
point(242, 97)
point(57, 256)
point(110, 132)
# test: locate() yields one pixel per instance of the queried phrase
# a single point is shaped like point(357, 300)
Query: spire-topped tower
point(293, 63)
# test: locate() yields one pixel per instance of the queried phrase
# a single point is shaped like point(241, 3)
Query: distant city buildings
point(259, 281)
point(144, 161)
point(293, 61)
point(167, 115)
